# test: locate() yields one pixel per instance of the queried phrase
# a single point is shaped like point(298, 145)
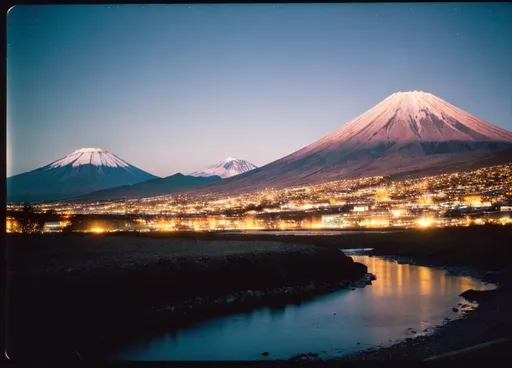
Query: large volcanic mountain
point(227, 168)
point(82, 171)
point(408, 132)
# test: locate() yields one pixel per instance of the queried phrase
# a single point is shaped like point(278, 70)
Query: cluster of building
point(477, 197)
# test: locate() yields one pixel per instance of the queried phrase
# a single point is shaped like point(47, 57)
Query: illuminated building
point(53, 227)
point(332, 221)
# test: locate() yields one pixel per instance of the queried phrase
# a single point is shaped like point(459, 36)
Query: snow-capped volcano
point(408, 132)
point(413, 116)
point(82, 171)
point(227, 168)
point(90, 156)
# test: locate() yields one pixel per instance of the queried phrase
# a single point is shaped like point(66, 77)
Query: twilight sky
point(175, 88)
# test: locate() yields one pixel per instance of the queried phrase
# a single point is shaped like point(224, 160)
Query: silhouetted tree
point(30, 221)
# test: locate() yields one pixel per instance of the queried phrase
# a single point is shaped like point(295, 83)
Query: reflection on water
point(403, 297)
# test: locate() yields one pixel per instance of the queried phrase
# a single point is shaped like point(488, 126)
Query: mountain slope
point(82, 171)
point(407, 132)
point(151, 188)
point(227, 168)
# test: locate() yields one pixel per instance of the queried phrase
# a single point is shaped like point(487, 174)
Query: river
point(404, 298)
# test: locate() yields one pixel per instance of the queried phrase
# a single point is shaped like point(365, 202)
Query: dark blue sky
point(175, 88)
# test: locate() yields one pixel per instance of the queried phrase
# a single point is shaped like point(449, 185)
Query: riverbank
point(490, 321)
point(482, 252)
point(73, 295)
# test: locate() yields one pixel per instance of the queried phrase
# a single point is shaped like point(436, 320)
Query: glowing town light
point(97, 230)
point(425, 199)
point(425, 222)
point(316, 225)
point(506, 221)
point(473, 201)
point(397, 213)
point(360, 208)
point(166, 227)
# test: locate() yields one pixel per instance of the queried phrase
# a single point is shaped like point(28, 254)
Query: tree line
point(29, 221)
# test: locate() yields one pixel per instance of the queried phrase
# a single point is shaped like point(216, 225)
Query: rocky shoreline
point(485, 318)
point(173, 316)
point(489, 321)
point(252, 297)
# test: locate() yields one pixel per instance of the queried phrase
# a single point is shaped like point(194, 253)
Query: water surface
point(310, 232)
point(402, 299)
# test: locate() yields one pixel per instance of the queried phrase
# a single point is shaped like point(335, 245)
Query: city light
point(425, 222)
point(470, 198)
point(397, 213)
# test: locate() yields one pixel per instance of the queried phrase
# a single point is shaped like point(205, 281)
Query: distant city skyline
point(176, 88)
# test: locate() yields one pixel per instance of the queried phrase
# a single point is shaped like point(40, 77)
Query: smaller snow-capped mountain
point(227, 168)
point(82, 171)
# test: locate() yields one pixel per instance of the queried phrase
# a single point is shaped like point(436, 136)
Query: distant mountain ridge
point(82, 171)
point(150, 188)
point(227, 168)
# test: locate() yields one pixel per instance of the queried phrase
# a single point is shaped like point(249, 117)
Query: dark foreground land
point(101, 286)
point(76, 295)
point(480, 248)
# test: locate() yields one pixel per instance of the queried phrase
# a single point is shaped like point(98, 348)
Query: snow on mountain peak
point(225, 169)
point(406, 117)
point(415, 92)
point(90, 150)
point(90, 156)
